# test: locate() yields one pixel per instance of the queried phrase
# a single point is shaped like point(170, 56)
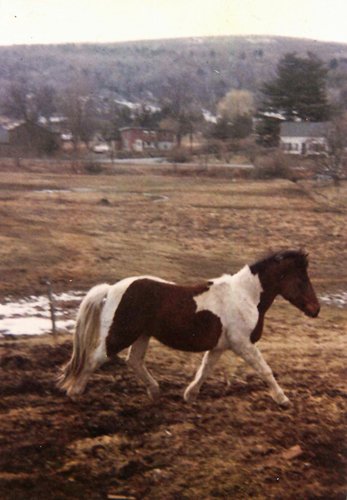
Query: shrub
point(250, 149)
point(179, 155)
point(271, 166)
point(93, 168)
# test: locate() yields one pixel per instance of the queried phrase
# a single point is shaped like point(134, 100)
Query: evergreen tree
point(268, 131)
point(299, 89)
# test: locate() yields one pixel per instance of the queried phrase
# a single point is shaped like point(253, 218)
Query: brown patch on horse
point(258, 330)
point(266, 300)
point(167, 312)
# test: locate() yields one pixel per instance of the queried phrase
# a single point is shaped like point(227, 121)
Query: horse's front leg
point(251, 354)
point(208, 361)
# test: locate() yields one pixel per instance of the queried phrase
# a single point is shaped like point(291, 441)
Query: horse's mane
point(299, 256)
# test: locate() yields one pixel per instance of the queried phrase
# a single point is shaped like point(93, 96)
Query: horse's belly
point(200, 333)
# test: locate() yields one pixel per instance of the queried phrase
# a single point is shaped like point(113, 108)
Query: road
point(160, 162)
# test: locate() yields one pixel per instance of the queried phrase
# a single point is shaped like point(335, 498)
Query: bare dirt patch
point(233, 442)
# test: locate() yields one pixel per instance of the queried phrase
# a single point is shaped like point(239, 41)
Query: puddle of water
point(53, 191)
point(338, 299)
point(61, 190)
point(157, 198)
point(31, 316)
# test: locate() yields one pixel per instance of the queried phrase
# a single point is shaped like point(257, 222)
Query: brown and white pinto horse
point(223, 313)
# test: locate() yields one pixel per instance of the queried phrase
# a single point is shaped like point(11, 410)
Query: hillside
point(148, 71)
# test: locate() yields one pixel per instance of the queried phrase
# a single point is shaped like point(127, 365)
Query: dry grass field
point(234, 442)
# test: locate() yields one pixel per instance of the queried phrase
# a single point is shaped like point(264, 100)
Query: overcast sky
point(59, 21)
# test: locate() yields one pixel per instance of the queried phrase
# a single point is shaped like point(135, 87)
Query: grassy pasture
point(82, 229)
point(233, 442)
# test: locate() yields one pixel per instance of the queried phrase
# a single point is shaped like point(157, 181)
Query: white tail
point(76, 372)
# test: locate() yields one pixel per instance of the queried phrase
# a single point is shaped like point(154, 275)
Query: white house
point(304, 138)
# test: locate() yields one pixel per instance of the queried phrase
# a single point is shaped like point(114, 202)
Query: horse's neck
point(248, 284)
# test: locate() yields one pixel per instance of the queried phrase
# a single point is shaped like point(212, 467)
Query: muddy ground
point(234, 442)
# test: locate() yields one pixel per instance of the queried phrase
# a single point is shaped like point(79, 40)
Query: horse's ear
point(306, 254)
point(303, 252)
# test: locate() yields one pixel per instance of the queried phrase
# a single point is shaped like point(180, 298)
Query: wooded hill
point(149, 71)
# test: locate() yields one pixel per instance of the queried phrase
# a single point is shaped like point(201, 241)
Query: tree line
point(298, 91)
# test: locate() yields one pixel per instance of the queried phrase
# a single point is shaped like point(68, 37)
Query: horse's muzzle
point(312, 311)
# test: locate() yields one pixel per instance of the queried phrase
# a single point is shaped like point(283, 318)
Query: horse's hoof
point(74, 395)
point(75, 398)
point(285, 403)
point(190, 397)
point(281, 399)
point(154, 393)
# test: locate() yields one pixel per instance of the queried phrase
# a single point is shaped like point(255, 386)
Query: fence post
point(51, 304)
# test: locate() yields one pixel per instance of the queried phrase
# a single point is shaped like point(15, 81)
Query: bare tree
point(45, 101)
point(179, 108)
point(77, 106)
point(19, 101)
point(334, 163)
point(27, 102)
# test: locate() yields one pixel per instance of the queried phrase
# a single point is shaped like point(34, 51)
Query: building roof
point(6, 125)
point(304, 129)
point(7, 130)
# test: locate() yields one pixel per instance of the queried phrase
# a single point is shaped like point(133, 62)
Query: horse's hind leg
point(136, 360)
point(209, 360)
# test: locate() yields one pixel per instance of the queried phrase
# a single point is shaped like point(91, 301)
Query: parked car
point(101, 148)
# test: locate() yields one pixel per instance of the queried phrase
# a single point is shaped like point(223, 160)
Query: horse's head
point(294, 283)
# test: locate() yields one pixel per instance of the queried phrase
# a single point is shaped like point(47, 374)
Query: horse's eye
point(302, 285)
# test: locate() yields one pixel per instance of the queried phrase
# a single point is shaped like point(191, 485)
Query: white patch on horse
point(234, 299)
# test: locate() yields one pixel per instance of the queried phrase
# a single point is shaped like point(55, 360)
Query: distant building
point(304, 138)
point(140, 139)
point(55, 123)
point(27, 139)
point(3, 135)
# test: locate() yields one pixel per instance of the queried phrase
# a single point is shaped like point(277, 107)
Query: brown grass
point(114, 226)
point(234, 442)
